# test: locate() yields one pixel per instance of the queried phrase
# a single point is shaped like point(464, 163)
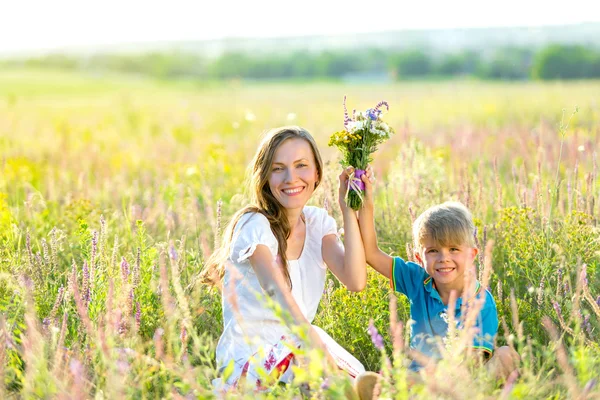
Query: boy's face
point(446, 264)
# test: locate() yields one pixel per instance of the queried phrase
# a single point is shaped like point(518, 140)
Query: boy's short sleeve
point(251, 230)
point(488, 326)
point(406, 276)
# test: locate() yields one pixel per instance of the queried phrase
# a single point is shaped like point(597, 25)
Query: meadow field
point(114, 190)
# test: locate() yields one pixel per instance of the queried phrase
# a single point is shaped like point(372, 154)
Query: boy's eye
point(432, 251)
point(454, 249)
point(302, 165)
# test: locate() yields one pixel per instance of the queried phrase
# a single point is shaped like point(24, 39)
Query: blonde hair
point(263, 201)
point(450, 223)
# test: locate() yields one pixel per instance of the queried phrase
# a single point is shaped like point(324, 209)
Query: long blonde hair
point(262, 201)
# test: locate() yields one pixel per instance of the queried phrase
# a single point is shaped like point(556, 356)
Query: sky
point(27, 25)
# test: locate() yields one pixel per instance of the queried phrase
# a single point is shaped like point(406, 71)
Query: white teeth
point(445, 269)
point(292, 191)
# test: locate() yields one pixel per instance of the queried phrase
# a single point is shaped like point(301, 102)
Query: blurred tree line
point(551, 62)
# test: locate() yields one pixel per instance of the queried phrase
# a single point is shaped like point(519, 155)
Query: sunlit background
point(125, 132)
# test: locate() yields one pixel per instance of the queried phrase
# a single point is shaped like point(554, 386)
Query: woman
point(277, 250)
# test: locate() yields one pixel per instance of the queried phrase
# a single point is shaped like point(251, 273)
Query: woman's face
point(293, 174)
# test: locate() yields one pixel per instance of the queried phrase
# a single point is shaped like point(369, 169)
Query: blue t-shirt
point(429, 314)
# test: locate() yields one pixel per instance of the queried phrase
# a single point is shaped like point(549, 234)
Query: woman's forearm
point(354, 253)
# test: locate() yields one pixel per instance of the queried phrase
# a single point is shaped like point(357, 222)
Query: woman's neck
point(294, 217)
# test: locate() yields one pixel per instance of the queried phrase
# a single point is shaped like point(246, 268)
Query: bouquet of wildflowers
point(359, 139)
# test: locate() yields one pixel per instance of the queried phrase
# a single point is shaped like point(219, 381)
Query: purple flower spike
point(382, 103)
point(590, 385)
point(587, 326)
point(173, 253)
point(138, 315)
point(557, 308)
point(346, 117)
point(598, 301)
point(124, 269)
point(375, 336)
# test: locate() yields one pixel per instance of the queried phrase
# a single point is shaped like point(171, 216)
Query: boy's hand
point(368, 179)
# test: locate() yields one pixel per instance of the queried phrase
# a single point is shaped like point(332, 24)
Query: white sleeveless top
point(248, 322)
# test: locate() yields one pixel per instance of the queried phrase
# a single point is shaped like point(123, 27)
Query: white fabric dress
point(253, 335)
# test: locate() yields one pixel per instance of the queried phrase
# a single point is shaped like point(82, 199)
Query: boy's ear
point(474, 252)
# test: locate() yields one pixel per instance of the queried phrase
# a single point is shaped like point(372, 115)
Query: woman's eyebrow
point(280, 163)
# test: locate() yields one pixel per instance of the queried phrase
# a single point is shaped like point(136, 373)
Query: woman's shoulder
point(319, 220)
point(253, 221)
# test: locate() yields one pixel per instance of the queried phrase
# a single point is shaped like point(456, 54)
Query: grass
point(109, 190)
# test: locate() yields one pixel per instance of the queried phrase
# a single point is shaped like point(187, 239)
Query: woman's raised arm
point(348, 264)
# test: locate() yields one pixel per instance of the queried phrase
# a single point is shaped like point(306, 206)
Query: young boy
point(445, 251)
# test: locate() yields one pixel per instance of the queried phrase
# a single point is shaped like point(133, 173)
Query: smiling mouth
point(443, 270)
point(293, 191)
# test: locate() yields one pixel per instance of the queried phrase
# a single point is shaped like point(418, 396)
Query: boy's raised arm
point(379, 260)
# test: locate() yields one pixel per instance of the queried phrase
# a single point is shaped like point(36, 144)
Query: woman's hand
point(368, 179)
point(343, 189)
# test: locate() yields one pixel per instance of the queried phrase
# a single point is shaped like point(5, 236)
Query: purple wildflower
point(183, 334)
point(38, 258)
point(172, 253)
point(85, 295)
point(590, 385)
point(129, 304)
point(484, 234)
point(598, 301)
point(557, 309)
point(587, 326)
point(325, 384)
point(373, 114)
point(382, 103)
point(94, 245)
point(375, 336)
point(124, 269)
point(46, 324)
point(57, 302)
point(346, 117)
